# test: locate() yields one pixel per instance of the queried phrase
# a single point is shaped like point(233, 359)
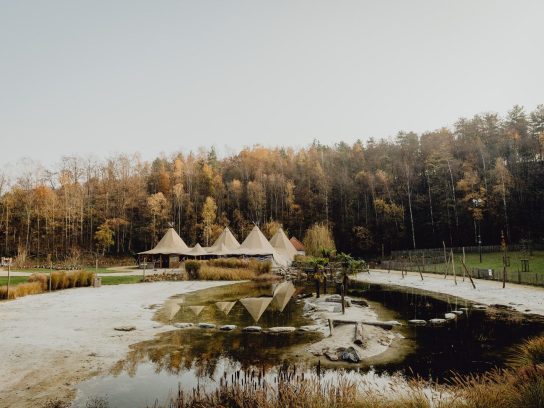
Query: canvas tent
point(256, 244)
point(227, 240)
point(168, 250)
point(222, 250)
point(282, 244)
point(196, 251)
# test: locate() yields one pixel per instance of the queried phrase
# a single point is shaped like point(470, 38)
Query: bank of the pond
point(520, 298)
point(52, 341)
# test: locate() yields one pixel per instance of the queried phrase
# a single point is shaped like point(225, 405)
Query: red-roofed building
point(299, 246)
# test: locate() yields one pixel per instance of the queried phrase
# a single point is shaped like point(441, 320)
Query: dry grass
point(39, 282)
point(208, 272)
point(238, 263)
point(529, 353)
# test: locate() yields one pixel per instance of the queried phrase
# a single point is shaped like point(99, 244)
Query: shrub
point(41, 278)
point(531, 352)
point(229, 262)
point(29, 288)
point(4, 294)
point(192, 268)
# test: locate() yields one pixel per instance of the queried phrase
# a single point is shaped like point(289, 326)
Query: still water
point(190, 358)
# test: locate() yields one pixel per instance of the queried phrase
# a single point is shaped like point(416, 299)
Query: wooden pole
point(463, 262)
point(358, 334)
point(445, 260)
point(453, 267)
point(468, 274)
point(9, 278)
point(343, 302)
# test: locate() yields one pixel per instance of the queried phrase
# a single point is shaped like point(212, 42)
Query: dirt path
point(525, 299)
point(50, 342)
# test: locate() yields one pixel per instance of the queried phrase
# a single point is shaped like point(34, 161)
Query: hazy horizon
point(99, 78)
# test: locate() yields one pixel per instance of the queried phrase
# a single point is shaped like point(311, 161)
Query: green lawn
point(116, 280)
point(14, 280)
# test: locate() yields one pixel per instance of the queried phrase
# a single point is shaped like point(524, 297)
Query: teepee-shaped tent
point(226, 239)
point(256, 306)
point(283, 294)
point(282, 244)
point(221, 250)
point(256, 244)
point(170, 244)
point(195, 251)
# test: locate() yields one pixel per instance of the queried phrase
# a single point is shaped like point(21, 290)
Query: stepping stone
point(281, 330)
point(450, 316)
point(417, 322)
point(227, 327)
point(350, 355)
point(183, 325)
point(309, 328)
point(479, 307)
point(206, 325)
point(437, 322)
point(125, 328)
point(252, 329)
point(458, 312)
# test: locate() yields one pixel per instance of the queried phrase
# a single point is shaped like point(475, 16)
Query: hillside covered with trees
point(411, 191)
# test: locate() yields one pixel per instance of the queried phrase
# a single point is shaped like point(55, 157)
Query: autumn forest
point(410, 191)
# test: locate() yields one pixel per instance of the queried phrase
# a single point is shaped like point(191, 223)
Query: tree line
point(482, 177)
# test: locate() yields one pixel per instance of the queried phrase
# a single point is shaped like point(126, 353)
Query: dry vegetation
point(39, 282)
point(228, 269)
point(521, 386)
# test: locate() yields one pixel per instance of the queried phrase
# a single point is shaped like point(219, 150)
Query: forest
point(484, 175)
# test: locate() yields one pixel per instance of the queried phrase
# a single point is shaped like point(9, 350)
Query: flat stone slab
point(458, 312)
point(417, 322)
point(253, 329)
point(125, 328)
point(228, 327)
point(479, 307)
point(450, 316)
point(281, 329)
point(183, 325)
point(311, 328)
point(437, 322)
point(206, 325)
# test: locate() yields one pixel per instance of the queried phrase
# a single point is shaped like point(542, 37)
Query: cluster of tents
point(281, 250)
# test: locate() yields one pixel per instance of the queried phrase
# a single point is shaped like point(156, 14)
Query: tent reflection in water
point(196, 309)
point(172, 308)
point(283, 294)
point(256, 306)
point(225, 307)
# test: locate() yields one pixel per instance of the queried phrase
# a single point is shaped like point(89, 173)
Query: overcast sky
point(100, 77)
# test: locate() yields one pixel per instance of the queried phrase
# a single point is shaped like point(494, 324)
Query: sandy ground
point(52, 341)
point(522, 298)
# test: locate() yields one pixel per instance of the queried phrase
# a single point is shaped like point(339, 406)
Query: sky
point(103, 77)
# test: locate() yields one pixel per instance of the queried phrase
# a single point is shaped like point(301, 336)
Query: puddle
point(193, 357)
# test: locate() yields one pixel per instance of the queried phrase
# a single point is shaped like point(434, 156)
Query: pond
point(190, 358)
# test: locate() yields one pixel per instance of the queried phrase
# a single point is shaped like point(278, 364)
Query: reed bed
point(238, 263)
point(207, 272)
point(39, 282)
point(521, 386)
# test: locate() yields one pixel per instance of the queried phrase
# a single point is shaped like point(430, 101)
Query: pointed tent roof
point(220, 251)
point(299, 246)
point(256, 306)
point(227, 239)
point(256, 244)
point(283, 293)
point(170, 243)
point(282, 244)
point(197, 250)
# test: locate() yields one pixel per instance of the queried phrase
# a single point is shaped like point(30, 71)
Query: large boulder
point(350, 355)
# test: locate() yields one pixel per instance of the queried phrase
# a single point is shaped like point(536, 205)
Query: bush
point(192, 268)
point(41, 278)
point(531, 352)
point(238, 263)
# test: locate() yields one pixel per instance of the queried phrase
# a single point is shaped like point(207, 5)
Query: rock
point(458, 312)
point(350, 355)
point(417, 322)
point(125, 328)
point(450, 316)
point(337, 309)
point(360, 302)
point(280, 329)
point(206, 325)
point(157, 326)
point(338, 299)
point(227, 327)
point(479, 307)
point(331, 355)
point(183, 325)
point(309, 328)
point(437, 322)
point(252, 329)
